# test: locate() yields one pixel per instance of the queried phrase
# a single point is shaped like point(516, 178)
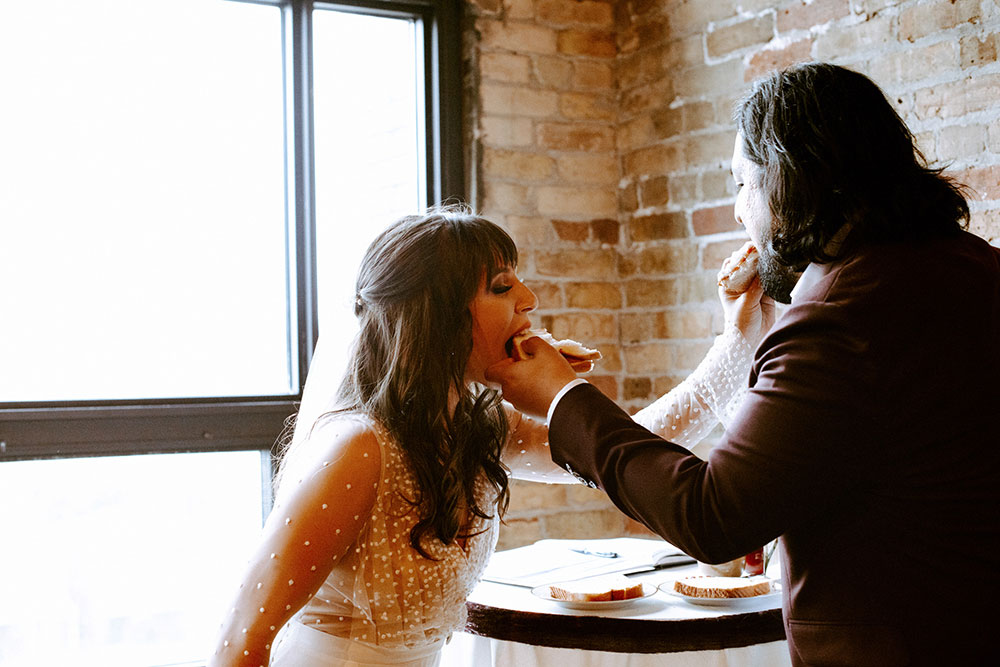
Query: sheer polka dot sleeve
point(323, 502)
point(527, 451)
point(711, 394)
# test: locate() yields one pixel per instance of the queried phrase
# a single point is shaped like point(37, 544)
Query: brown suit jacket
point(869, 442)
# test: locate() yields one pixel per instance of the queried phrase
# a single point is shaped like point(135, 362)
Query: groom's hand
point(530, 385)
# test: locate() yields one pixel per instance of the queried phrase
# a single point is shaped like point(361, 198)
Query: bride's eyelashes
point(503, 282)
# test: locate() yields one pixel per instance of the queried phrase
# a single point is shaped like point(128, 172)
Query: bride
point(390, 493)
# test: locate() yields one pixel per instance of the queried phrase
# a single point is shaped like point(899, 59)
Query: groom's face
point(753, 212)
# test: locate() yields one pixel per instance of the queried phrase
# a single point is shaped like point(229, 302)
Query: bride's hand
point(752, 312)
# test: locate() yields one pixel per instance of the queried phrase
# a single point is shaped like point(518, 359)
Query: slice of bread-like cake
point(722, 587)
point(597, 589)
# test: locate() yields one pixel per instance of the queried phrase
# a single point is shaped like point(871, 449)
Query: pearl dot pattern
point(382, 590)
point(711, 394)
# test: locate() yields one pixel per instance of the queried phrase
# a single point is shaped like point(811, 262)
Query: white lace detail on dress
point(712, 393)
point(383, 591)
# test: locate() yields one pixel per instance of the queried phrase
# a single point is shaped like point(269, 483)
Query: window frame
point(61, 429)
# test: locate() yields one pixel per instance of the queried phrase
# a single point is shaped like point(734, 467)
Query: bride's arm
point(527, 451)
point(317, 519)
point(714, 391)
point(711, 394)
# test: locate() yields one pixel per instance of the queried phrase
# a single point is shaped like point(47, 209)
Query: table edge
point(625, 635)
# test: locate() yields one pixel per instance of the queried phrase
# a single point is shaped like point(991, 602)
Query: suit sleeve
point(788, 453)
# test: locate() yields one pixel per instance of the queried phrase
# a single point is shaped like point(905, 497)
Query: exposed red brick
point(590, 74)
point(628, 198)
point(663, 258)
point(684, 323)
point(640, 68)
point(593, 295)
point(652, 293)
point(637, 327)
point(564, 12)
point(959, 97)
point(549, 295)
point(976, 51)
point(658, 226)
point(802, 16)
point(668, 122)
point(636, 387)
point(756, 30)
point(575, 232)
point(595, 43)
point(770, 60)
point(922, 19)
point(576, 137)
point(608, 385)
point(713, 220)
point(659, 159)
point(605, 230)
point(654, 191)
point(984, 181)
point(581, 263)
point(646, 98)
point(986, 224)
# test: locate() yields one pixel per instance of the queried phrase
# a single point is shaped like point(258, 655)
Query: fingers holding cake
point(744, 302)
point(739, 270)
point(580, 357)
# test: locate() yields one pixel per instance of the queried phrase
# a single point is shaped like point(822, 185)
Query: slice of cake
point(597, 589)
point(722, 587)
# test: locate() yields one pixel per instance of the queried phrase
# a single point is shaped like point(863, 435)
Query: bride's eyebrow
point(505, 271)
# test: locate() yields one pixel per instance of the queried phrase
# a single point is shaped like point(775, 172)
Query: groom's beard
point(776, 279)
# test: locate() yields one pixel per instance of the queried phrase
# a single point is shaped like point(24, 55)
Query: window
point(186, 187)
point(144, 203)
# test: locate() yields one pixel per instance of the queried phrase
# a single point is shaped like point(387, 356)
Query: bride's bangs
point(489, 247)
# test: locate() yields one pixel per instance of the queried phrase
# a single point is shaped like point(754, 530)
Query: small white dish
point(667, 588)
point(544, 593)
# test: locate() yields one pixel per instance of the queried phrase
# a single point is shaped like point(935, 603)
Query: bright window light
point(124, 561)
point(142, 206)
point(369, 156)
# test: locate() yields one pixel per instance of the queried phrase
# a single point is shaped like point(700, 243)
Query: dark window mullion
point(443, 83)
point(297, 26)
point(141, 429)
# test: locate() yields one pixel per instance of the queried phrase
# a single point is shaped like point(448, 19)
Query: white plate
point(667, 588)
point(543, 593)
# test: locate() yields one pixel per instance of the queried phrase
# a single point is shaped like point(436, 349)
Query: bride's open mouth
point(509, 345)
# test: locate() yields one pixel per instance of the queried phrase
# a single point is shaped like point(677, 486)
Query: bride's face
point(499, 310)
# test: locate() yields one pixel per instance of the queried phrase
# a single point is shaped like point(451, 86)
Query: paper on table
point(548, 561)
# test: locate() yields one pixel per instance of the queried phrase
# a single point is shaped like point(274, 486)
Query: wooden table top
point(660, 623)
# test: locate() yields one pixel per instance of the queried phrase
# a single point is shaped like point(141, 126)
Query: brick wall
point(600, 134)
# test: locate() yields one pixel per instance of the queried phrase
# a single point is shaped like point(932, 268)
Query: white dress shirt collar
point(812, 275)
point(815, 272)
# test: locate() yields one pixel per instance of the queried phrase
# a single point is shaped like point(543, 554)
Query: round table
point(660, 623)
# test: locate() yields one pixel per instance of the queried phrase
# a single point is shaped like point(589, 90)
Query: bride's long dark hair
point(413, 292)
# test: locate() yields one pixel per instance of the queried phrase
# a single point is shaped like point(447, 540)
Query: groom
point(869, 441)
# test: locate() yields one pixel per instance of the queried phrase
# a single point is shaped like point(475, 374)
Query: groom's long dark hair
point(834, 151)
